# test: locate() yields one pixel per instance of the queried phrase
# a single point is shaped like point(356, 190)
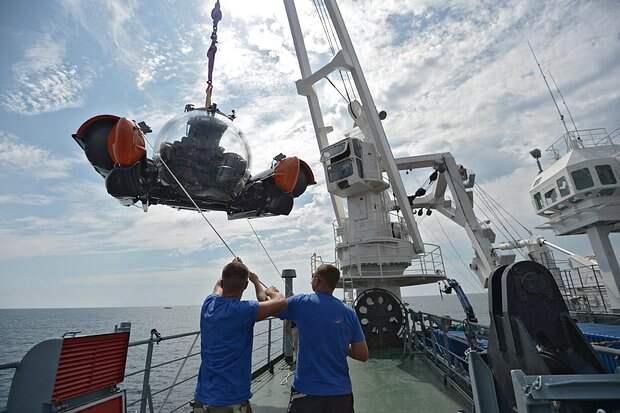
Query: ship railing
point(430, 335)
point(266, 354)
point(583, 289)
point(583, 138)
point(393, 226)
point(430, 263)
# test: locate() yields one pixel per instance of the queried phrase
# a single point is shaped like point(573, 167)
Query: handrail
point(432, 322)
point(145, 400)
point(160, 339)
point(7, 366)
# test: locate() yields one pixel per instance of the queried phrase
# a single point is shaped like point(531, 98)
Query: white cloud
point(453, 76)
point(21, 158)
point(44, 81)
point(25, 199)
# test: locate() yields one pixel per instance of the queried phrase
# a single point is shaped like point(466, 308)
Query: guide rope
point(191, 199)
point(199, 209)
point(264, 249)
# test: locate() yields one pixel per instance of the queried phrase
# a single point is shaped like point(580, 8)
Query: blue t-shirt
point(326, 328)
point(226, 334)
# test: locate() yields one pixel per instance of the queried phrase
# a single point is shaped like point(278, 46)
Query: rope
point(207, 220)
point(264, 249)
point(191, 199)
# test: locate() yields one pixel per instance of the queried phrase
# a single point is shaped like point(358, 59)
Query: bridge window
point(563, 187)
point(538, 200)
point(582, 179)
point(606, 174)
point(551, 197)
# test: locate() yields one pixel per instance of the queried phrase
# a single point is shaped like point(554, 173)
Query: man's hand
point(237, 259)
point(260, 291)
point(218, 289)
point(276, 303)
point(358, 351)
point(253, 277)
point(273, 293)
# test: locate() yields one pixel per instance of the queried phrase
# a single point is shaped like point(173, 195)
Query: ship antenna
point(548, 88)
point(570, 115)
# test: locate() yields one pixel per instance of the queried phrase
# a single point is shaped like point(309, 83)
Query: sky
point(453, 76)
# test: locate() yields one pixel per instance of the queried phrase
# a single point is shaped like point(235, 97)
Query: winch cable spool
point(216, 15)
point(382, 315)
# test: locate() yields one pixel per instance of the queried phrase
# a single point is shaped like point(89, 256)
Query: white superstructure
point(580, 194)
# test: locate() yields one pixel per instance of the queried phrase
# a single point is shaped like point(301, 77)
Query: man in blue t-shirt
point(226, 333)
point(329, 330)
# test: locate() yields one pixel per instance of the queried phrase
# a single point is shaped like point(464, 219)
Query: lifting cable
point(492, 218)
point(499, 214)
point(216, 15)
point(456, 252)
point(337, 43)
point(329, 31)
point(497, 221)
point(497, 218)
point(503, 209)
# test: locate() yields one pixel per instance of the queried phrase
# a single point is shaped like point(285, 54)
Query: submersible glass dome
point(206, 153)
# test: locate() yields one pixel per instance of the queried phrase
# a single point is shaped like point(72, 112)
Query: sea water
point(20, 329)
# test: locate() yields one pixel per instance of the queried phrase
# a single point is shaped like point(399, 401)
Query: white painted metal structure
point(374, 246)
point(460, 182)
point(580, 194)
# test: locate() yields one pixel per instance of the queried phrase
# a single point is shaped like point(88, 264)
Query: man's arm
point(258, 287)
point(275, 304)
point(359, 351)
point(217, 289)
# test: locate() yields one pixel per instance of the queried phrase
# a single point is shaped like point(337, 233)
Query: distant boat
point(167, 308)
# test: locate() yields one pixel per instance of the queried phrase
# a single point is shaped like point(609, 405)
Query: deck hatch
point(90, 363)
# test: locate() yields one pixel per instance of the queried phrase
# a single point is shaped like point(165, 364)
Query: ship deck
point(386, 383)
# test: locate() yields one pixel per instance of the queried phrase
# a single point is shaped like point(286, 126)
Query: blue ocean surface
point(23, 328)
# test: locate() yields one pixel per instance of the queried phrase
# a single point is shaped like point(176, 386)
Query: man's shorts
point(235, 408)
point(303, 403)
